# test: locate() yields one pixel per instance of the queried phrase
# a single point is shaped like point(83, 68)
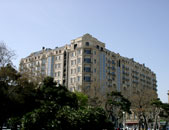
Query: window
point(43, 73)
point(113, 74)
point(87, 88)
point(71, 62)
point(43, 68)
point(79, 52)
point(33, 70)
point(95, 61)
point(38, 68)
point(71, 71)
point(78, 69)
point(113, 68)
point(78, 60)
point(71, 80)
point(58, 81)
point(87, 78)
point(74, 79)
point(75, 46)
point(58, 73)
point(55, 66)
point(87, 51)
point(43, 61)
point(95, 70)
point(75, 71)
point(37, 63)
point(113, 62)
point(97, 47)
point(119, 63)
point(94, 52)
point(78, 78)
point(87, 69)
point(58, 65)
point(87, 60)
point(87, 43)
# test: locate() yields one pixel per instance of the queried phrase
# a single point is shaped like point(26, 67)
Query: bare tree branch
point(6, 55)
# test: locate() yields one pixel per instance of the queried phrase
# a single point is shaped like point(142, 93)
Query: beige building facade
point(85, 64)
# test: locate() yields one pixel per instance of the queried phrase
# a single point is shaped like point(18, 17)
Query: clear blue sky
point(136, 29)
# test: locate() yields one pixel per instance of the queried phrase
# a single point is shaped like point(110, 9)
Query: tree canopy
point(115, 106)
point(61, 110)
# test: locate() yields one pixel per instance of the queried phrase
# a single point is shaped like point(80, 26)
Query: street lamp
point(123, 120)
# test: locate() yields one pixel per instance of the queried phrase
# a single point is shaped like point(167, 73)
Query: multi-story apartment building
point(85, 64)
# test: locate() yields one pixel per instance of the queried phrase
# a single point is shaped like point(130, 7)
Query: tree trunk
point(155, 123)
point(139, 124)
point(145, 123)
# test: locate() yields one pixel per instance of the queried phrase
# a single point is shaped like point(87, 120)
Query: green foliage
point(115, 105)
point(82, 99)
point(47, 106)
point(17, 95)
point(66, 118)
point(49, 92)
point(116, 100)
point(157, 103)
point(61, 110)
point(164, 107)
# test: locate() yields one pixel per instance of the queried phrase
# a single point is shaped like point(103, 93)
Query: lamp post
point(124, 121)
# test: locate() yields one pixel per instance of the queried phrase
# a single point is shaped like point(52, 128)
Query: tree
point(51, 99)
point(17, 95)
point(160, 110)
point(115, 106)
point(61, 110)
point(32, 74)
point(141, 105)
point(82, 99)
point(96, 96)
point(6, 55)
point(67, 118)
point(8, 77)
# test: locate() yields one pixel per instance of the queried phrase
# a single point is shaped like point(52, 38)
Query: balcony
point(113, 62)
point(87, 51)
point(113, 74)
point(87, 79)
point(87, 60)
point(109, 73)
point(87, 69)
point(110, 80)
point(113, 68)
